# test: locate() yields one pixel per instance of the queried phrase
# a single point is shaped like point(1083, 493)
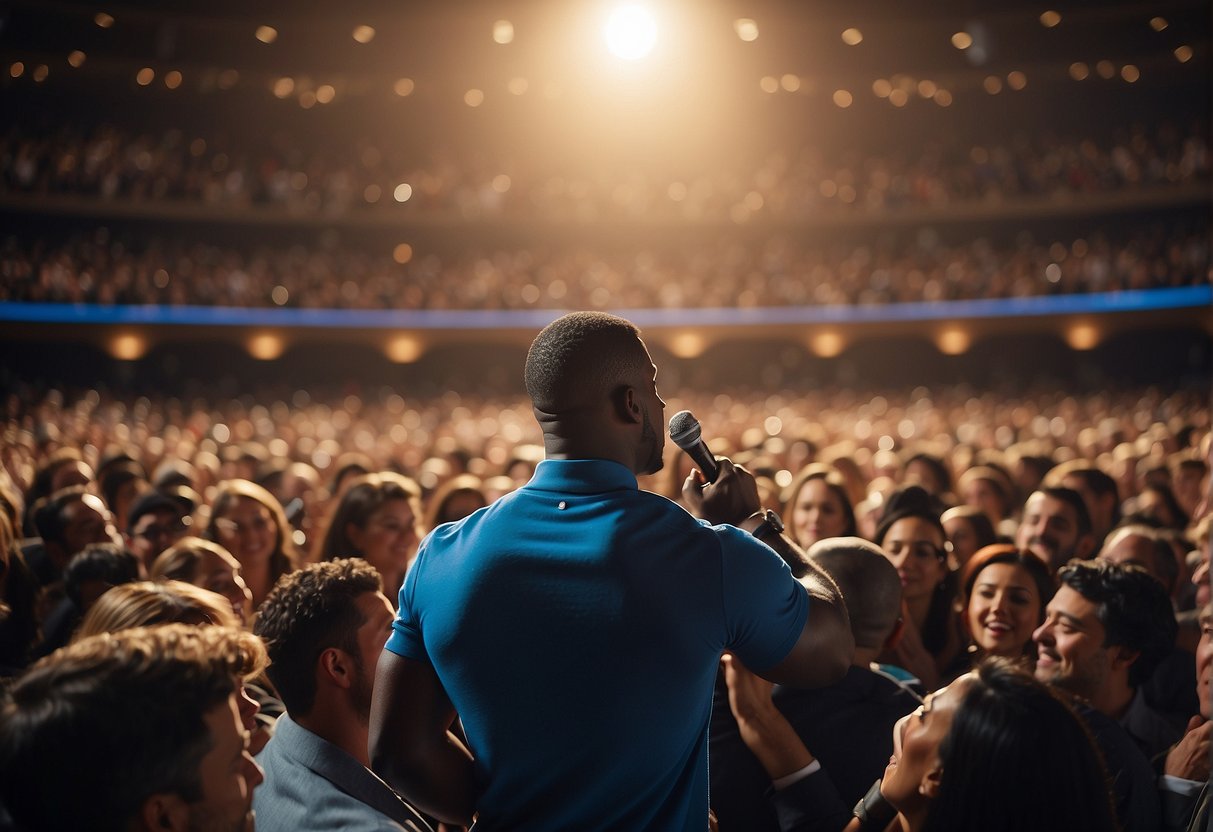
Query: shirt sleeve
point(765, 606)
point(406, 639)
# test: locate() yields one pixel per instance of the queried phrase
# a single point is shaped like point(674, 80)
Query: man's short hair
point(108, 563)
point(581, 358)
point(92, 731)
point(1133, 608)
point(1082, 517)
point(50, 513)
point(868, 582)
point(306, 613)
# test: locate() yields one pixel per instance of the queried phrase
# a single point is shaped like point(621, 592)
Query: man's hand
point(731, 498)
point(1189, 758)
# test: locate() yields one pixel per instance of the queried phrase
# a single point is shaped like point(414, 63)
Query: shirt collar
point(582, 476)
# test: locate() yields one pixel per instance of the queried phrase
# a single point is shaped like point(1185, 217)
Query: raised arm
point(826, 646)
point(410, 745)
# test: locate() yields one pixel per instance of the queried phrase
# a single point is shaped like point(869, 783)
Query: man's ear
point(929, 787)
point(1085, 547)
point(627, 406)
point(337, 667)
point(1123, 657)
point(163, 813)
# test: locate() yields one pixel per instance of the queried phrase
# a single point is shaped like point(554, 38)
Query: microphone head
point(684, 429)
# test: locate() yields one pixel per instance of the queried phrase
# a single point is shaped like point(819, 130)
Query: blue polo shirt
point(576, 625)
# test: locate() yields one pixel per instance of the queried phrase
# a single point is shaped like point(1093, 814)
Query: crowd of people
point(114, 270)
point(1035, 566)
point(113, 163)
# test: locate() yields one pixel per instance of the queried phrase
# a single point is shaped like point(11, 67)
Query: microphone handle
point(704, 460)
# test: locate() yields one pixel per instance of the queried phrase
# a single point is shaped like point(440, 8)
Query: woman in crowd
point(816, 506)
point(969, 529)
point(376, 519)
point(995, 750)
point(453, 500)
point(989, 489)
point(206, 564)
point(1003, 594)
point(250, 523)
point(914, 540)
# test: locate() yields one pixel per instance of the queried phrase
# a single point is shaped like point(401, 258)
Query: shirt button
point(562, 505)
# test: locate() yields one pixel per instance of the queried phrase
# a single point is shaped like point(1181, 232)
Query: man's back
point(576, 626)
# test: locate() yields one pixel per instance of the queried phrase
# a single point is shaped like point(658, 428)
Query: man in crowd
point(1185, 782)
point(324, 627)
point(155, 522)
point(846, 727)
point(575, 625)
point(1055, 527)
point(138, 730)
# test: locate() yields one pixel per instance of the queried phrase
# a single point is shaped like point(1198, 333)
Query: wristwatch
point(771, 524)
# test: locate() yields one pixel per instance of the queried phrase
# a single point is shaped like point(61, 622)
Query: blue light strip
point(1090, 304)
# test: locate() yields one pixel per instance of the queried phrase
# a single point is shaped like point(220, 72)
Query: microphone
point(686, 434)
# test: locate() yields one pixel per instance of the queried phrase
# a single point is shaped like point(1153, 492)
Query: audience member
point(208, 565)
point(846, 728)
point(324, 627)
point(250, 523)
point(92, 572)
point(146, 722)
point(455, 499)
point(593, 576)
point(969, 529)
point(1055, 527)
point(817, 506)
point(155, 522)
point(378, 518)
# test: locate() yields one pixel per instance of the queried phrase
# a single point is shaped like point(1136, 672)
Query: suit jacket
point(847, 726)
point(311, 784)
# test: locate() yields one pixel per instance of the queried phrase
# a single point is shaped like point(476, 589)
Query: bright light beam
point(631, 32)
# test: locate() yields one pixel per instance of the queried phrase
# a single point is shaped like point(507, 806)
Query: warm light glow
point(227, 79)
point(325, 93)
point(364, 33)
point(16, 70)
point(746, 29)
point(1050, 19)
point(403, 192)
point(827, 344)
point(172, 79)
point(76, 58)
point(503, 32)
point(1106, 69)
point(473, 98)
point(1017, 80)
point(631, 32)
point(518, 86)
point(1158, 23)
point(852, 37)
point(843, 99)
point(145, 76)
point(1079, 71)
point(899, 98)
point(953, 341)
point(266, 346)
point(128, 346)
point(962, 40)
point(307, 99)
point(943, 98)
point(41, 71)
point(992, 84)
point(769, 83)
point(927, 89)
point(790, 82)
point(403, 253)
point(1082, 337)
point(404, 87)
point(1130, 73)
point(266, 34)
point(404, 349)
point(1183, 53)
point(882, 87)
point(688, 345)
point(283, 87)
point(103, 20)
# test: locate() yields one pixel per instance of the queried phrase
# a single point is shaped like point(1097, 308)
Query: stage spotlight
point(128, 346)
point(827, 344)
point(688, 345)
point(404, 349)
point(266, 346)
point(953, 342)
point(631, 32)
point(1082, 336)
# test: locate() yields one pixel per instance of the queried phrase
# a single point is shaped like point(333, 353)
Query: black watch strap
point(873, 811)
point(770, 526)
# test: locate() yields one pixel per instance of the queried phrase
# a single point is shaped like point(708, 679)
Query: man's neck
point(340, 727)
point(1113, 698)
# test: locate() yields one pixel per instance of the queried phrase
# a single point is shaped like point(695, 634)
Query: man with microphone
point(575, 625)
